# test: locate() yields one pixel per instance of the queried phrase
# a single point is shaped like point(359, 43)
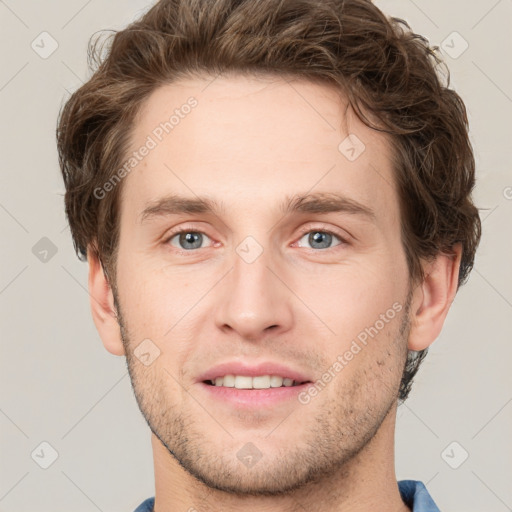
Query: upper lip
point(252, 370)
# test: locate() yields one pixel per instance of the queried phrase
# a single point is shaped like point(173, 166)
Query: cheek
point(369, 359)
point(364, 307)
point(142, 298)
point(351, 299)
point(160, 305)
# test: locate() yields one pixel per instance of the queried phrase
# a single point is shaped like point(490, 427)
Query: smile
point(256, 382)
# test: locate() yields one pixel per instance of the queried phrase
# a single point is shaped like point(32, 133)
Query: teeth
point(275, 381)
point(259, 382)
point(262, 382)
point(243, 382)
point(227, 382)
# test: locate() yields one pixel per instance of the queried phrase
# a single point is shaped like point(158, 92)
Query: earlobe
point(102, 306)
point(433, 298)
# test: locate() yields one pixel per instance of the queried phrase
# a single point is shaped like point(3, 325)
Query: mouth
point(249, 393)
point(253, 385)
point(253, 382)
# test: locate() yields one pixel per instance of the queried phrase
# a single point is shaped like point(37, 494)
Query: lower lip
point(254, 397)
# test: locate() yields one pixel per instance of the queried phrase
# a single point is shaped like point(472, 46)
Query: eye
point(187, 239)
point(320, 239)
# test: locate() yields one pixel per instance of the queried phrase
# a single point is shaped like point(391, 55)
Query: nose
point(254, 300)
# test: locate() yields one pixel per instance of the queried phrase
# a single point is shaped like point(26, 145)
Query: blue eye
point(188, 240)
point(320, 239)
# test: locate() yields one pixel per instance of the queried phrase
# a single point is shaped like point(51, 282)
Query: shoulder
point(146, 506)
point(416, 496)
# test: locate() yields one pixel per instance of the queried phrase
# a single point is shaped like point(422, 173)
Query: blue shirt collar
point(414, 494)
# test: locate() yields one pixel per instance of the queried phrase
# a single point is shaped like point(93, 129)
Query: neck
point(366, 482)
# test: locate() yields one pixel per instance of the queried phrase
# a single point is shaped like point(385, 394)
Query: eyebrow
point(325, 202)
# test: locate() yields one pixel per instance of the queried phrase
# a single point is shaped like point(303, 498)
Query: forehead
point(250, 141)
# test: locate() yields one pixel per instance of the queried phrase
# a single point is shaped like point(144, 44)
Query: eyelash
point(303, 231)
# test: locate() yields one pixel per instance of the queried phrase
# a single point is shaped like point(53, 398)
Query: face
point(227, 271)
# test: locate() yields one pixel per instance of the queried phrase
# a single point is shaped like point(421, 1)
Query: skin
point(249, 143)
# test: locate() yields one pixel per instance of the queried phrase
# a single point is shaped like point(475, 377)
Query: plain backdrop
point(67, 403)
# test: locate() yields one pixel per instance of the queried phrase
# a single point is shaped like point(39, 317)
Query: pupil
point(317, 238)
point(191, 238)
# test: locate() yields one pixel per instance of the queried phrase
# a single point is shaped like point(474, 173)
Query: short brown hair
point(386, 72)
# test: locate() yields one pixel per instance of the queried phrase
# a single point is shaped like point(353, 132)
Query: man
point(274, 199)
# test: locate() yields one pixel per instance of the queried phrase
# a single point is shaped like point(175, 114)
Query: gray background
point(60, 386)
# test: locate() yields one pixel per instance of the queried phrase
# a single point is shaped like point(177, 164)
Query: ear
point(432, 299)
point(103, 308)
